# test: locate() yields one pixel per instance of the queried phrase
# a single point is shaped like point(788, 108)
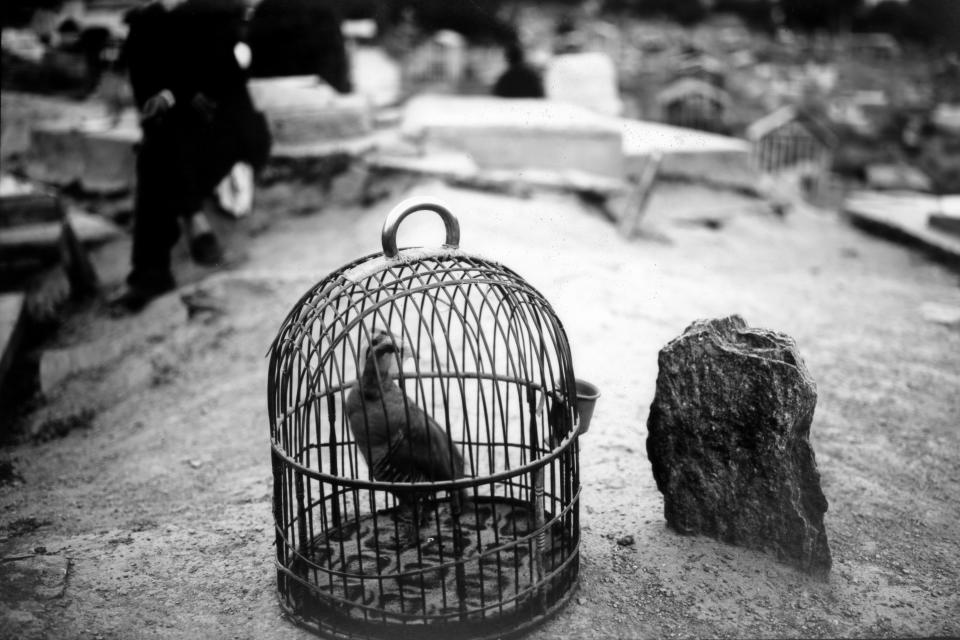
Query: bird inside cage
point(398, 440)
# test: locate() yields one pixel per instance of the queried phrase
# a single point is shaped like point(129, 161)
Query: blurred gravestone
point(585, 79)
point(376, 75)
point(305, 114)
point(729, 441)
point(438, 65)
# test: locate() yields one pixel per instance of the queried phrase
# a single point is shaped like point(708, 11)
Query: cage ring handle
point(388, 235)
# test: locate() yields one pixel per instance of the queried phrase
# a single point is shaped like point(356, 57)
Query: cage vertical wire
point(486, 548)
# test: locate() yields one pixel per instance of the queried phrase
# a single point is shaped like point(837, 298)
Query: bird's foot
point(409, 537)
point(405, 541)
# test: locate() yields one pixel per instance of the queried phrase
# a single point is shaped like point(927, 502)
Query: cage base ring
point(395, 590)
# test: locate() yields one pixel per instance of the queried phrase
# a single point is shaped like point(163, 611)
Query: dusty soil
point(158, 494)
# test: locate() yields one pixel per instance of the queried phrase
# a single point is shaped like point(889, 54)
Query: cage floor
point(407, 583)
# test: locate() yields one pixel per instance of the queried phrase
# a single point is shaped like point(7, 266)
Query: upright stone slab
point(729, 441)
point(587, 79)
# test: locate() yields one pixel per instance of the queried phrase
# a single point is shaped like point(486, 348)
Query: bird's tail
point(461, 500)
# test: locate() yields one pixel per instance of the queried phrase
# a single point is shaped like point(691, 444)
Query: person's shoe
point(133, 299)
point(204, 247)
point(205, 250)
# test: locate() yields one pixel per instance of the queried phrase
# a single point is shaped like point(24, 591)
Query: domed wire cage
point(390, 523)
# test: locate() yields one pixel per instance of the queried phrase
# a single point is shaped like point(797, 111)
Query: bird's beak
point(403, 352)
point(406, 353)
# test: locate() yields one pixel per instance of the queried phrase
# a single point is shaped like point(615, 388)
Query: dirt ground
point(158, 495)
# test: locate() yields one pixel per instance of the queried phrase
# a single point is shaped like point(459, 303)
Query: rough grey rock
point(729, 442)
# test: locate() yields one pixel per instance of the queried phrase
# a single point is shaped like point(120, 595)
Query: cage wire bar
point(492, 366)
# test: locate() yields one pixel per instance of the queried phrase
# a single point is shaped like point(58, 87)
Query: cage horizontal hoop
point(388, 234)
point(448, 485)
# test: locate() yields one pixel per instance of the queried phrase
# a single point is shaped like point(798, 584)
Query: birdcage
point(424, 420)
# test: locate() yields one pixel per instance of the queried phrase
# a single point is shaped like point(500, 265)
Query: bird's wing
point(368, 423)
point(420, 446)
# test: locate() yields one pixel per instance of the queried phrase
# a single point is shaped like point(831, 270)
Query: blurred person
point(297, 38)
point(519, 80)
point(197, 121)
point(566, 35)
point(90, 42)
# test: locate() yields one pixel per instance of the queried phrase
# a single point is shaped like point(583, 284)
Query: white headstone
point(585, 79)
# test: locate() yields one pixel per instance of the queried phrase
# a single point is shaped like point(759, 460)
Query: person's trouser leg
point(156, 224)
point(178, 165)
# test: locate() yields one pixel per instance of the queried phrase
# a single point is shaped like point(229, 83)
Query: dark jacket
point(519, 81)
point(190, 52)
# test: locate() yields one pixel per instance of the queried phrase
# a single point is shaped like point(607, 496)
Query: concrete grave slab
point(945, 222)
point(43, 238)
point(19, 207)
point(22, 111)
point(947, 217)
point(687, 153)
point(98, 154)
point(895, 177)
point(460, 168)
point(306, 115)
point(905, 216)
point(517, 134)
